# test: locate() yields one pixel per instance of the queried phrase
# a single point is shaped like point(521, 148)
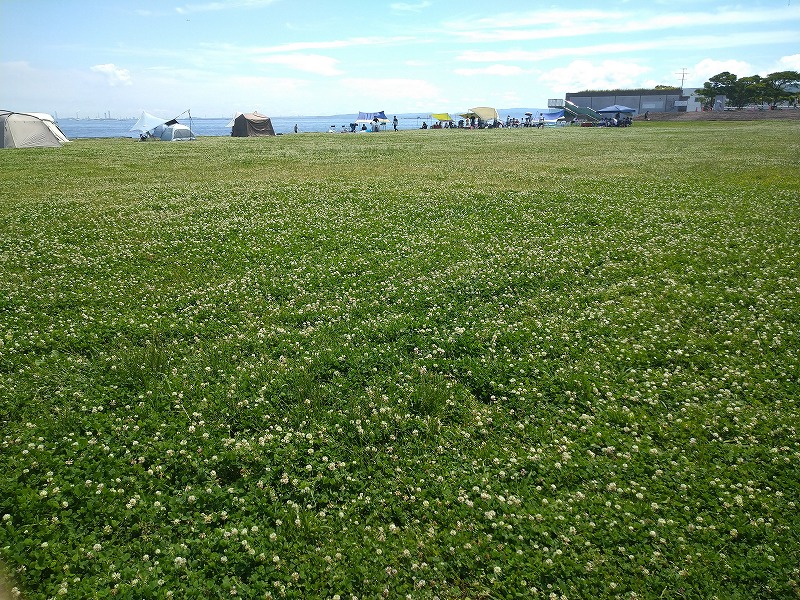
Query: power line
point(683, 74)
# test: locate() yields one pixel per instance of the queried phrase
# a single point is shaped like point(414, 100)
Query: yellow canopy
point(442, 116)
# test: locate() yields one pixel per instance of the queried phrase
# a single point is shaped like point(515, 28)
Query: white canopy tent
point(147, 122)
point(166, 129)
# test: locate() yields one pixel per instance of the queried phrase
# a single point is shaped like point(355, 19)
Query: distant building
point(641, 100)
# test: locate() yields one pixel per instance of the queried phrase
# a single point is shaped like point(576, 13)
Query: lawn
point(558, 363)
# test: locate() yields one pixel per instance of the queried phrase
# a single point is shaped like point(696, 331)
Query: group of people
point(617, 121)
point(353, 128)
point(473, 123)
point(528, 121)
point(375, 125)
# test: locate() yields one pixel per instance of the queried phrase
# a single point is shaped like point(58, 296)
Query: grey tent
point(252, 124)
point(172, 131)
point(29, 130)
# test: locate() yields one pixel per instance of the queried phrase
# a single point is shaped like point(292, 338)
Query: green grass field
point(426, 364)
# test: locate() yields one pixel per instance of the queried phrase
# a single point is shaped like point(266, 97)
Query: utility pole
point(683, 74)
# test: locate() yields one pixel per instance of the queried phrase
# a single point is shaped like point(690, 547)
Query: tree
point(778, 87)
point(752, 90)
point(775, 88)
point(728, 85)
point(721, 84)
point(725, 82)
point(707, 95)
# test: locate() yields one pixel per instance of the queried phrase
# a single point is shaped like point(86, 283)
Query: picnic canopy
point(616, 108)
point(484, 113)
point(552, 116)
point(442, 116)
point(148, 122)
point(369, 117)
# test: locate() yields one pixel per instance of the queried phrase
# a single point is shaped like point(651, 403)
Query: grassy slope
point(437, 363)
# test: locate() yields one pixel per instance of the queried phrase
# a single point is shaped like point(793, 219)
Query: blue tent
point(553, 116)
point(368, 117)
point(616, 108)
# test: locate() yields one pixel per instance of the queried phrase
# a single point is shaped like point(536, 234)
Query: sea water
point(100, 128)
point(105, 128)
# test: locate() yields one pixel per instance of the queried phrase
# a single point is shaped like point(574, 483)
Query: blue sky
point(305, 57)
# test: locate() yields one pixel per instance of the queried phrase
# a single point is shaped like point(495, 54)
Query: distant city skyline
point(281, 57)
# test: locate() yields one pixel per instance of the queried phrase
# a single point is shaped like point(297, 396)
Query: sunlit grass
point(431, 364)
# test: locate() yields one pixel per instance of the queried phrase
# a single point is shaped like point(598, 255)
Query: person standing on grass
point(296, 129)
point(394, 122)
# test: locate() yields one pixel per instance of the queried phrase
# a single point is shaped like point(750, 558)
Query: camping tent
point(252, 124)
point(147, 122)
point(616, 108)
point(29, 130)
point(173, 132)
point(51, 125)
point(168, 130)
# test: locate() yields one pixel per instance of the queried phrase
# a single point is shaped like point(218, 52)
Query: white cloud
point(500, 70)
point(558, 24)
point(114, 75)
point(395, 88)
point(536, 26)
point(333, 44)
point(709, 67)
point(675, 43)
point(310, 63)
point(789, 63)
point(230, 4)
point(405, 7)
point(603, 75)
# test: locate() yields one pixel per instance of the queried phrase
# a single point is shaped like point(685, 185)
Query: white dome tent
point(174, 133)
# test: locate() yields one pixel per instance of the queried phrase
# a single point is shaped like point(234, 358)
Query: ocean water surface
point(105, 128)
point(100, 128)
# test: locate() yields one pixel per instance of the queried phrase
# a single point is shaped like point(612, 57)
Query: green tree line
point(774, 89)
